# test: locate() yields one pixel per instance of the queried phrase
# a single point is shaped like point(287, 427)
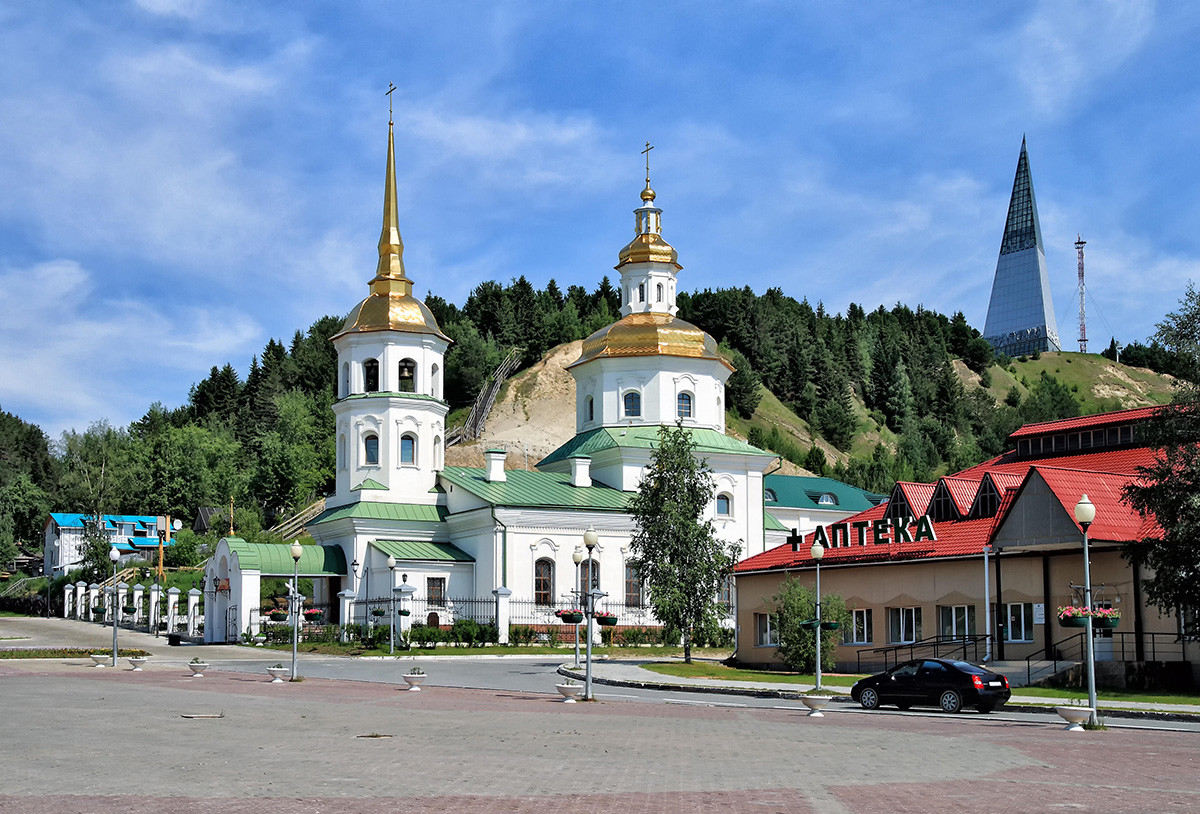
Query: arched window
point(633, 586)
point(591, 409)
point(371, 376)
point(543, 582)
point(345, 379)
point(641, 292)
point(371, 450)
point(660, 292)
point(435, 382)
point(589, 572)
point(770, 496)
point(437, 452)
point(341, 452)
point(683, 405)
point(408, 449)
point(724, 506)
point(408, 376)
point(633, 404)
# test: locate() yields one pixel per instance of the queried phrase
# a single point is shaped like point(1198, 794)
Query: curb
point(704, 689)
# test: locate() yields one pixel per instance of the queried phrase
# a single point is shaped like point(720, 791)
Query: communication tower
point(1079, 244)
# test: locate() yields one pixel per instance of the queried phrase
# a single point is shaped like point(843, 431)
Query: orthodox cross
point(391, 88)
point(646, 152)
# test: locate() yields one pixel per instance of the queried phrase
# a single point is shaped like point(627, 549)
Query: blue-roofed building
point(134, 535)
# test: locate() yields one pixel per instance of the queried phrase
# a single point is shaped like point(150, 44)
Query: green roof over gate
point(707, 442)
point(771, 524)
point(276, 558)
point(384, 511)
point(422, 550)
point(537, 489)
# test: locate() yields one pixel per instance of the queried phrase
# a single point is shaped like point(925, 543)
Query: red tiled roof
point(962, 491)
point(1115, 520)
point(1098, 420)
point(1123, 461)
point(917, 495)
point(1005, 480)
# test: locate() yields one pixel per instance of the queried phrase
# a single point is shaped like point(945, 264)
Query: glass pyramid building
point(1020, 317)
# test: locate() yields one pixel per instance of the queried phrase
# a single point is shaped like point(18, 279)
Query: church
point(489, 543)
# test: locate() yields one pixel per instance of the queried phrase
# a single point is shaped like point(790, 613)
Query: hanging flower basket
point(378, 612)
point(1072, 621)
point(830, 625)
point(403, 612)
point(569, 617)
point(1102, 618)
point(278, 616)
point(809, 624)
point(313, 615)
point(606, 619)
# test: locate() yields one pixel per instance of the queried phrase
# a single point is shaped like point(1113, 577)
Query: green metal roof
point(276, 558)
point(707, 442)
point(369, 483)
point(771, 524)
point(798, 492)
point(417, 550)
point(408, 512)
point(536, 489)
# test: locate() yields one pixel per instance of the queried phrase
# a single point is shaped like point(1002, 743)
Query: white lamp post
point(818, 551)
point(577, 557)
point(590, 538)
point(1085, 513)
point(391, 564)
point(114, 555)
point(295, 602)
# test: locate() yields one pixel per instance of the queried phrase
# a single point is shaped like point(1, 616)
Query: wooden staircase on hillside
point(294, 525)
point(477, 418)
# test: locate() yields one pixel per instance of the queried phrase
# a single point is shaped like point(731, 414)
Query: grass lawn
point(720, 671)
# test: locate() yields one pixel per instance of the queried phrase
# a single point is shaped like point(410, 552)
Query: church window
point(641, 292)
point(371, 376)
point(660, 292)
point(724, 506)
point(435, 382)
point(408, 376)
point(633, 586)
point(371, 450)
point(770, 496)
point(589, 572)
point(543, 582)
point(341, 452)
point(683, 405)
point(435, 591)
point(408, 449)
point(437, 453)
point(345, 379)
point(633, 405)
point(591, 409)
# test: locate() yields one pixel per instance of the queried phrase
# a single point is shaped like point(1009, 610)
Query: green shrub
point(521, 634)
point(464, 632)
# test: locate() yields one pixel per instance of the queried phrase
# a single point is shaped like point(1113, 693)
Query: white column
point(81, 609)
point(406, 592)
point(344, 599)
point(155, 607)
point(502, 595)
point(93, 598)
point(172, 609)
point(121, 593)
point(138, 592)
point(193, 608)
point(68, 600)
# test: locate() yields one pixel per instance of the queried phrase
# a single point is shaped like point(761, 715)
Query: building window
point(345, 379)
point(371, 376)
point(438, 454)
point(341, 452)
point(543, 582)
point(1020, 622)
point(683, 405)
point(641, 292)
point(827, 499)
point(660, 292)
point(591, 409)
point(956, 621)
point(435, 382)
point(725, 594)
point(589, 570)
point(765, 634)
point(633, 586)
point(408, 449)
point(633, 405)
point(724, 506)
point(860, 627)
point(770, 496)
point(435, 591)
point(408, 376)
point(904, 625)
point(371, 450)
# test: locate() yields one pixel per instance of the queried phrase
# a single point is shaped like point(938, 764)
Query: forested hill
point(869, 398)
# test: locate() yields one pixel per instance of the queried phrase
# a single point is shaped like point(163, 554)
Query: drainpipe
point(987, 604)
point(1000, 616)
point(503, 549)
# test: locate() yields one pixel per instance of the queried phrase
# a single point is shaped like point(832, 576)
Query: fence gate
point(231, 624)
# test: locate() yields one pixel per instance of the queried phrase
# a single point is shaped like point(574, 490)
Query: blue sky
point(181, 180)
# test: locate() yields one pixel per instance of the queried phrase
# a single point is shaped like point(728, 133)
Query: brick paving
point(83, 739)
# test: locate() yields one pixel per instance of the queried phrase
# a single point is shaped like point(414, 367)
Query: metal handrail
point(938, 644)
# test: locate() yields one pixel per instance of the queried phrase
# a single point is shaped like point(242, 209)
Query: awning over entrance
point(275, 559)
point(406, 550)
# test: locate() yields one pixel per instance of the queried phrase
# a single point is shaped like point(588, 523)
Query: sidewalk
point(632, 674)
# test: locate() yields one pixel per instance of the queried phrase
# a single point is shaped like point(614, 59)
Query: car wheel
point(950, 701)
point(869, 699)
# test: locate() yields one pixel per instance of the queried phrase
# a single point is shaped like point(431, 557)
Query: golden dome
point(647, 193)
point(650, 334)
point(648, 248)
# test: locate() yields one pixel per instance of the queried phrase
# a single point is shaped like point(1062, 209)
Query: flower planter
point(809, 624)
point(815, 704)
point(569, 691)
point(1075, 717)
point(830, 625)
point(277, 674)
point(404, 613)
point(1098, 622)
point(378, 612)
point(606, 621)
point(137, 662)
point(314, 618)
point(100, 659)
point(197, 668)
point(260, 640)
point(414, 681)
point(278, 616)
point(570, 618)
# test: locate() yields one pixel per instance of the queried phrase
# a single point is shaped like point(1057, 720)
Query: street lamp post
point(391, 563)
point(577, 557)
point(114, 555)
point(818, 551)
point(295, 602)
point(590, 538)
point(1085, 513)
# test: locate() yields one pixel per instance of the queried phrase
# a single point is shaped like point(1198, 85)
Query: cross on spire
point(391, 88)
point(646, 152)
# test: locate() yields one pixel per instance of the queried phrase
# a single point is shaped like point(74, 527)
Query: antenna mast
point(1079, 244)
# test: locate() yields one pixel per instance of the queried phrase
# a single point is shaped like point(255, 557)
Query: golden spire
point(390, 270)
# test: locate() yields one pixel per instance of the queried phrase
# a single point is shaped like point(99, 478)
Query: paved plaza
point(84, 739)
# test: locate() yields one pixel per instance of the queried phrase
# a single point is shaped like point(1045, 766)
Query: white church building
point(469, 541)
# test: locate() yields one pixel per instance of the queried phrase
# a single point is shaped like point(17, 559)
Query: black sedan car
point(943, 683)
